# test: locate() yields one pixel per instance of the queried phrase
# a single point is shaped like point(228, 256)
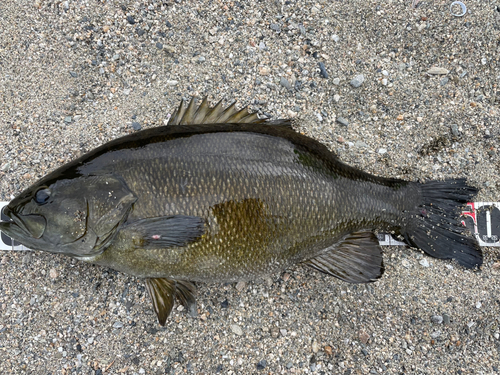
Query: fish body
point(265, 199)
point(219, 195)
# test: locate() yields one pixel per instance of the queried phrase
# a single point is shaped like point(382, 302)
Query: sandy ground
point(77, 73)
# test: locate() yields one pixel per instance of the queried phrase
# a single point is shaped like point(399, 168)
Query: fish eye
point(42, 196)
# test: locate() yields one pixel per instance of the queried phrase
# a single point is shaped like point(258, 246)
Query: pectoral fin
point(163, 293)
point(357, 259)
point(167, 231)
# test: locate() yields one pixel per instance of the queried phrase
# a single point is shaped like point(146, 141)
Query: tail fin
point(434, 226)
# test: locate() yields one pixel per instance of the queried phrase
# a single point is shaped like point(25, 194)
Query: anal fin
point(357, 259)
point(163, 292)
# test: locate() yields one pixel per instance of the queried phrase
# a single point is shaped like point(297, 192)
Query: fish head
point(77, 217)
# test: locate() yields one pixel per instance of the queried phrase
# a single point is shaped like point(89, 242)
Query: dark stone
point(322, 70)
point(136, 125)
point(130, 20)
point(261, 365)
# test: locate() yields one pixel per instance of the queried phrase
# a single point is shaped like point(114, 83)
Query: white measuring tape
point(482, 219)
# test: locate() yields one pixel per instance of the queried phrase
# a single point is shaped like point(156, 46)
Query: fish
point(221, 195)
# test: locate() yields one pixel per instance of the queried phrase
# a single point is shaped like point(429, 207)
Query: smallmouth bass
point(219, 195)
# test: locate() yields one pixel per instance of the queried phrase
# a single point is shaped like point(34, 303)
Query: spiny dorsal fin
point(203, 114)
point(357, 259)
point(177, 116)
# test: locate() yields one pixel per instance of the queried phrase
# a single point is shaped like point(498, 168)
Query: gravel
point(99, 64)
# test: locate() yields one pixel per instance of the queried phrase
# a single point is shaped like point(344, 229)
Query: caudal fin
point(435, 228)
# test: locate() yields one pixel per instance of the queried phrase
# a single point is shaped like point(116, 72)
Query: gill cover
point(77, 217)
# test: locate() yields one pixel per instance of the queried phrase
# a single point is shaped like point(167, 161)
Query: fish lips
point(23, 226)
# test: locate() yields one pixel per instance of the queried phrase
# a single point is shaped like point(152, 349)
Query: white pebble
point(236, 329)
point(424, 263)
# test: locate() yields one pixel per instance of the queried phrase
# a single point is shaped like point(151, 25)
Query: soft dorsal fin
point(163, 293)
point(357, 259)
point(203, 114)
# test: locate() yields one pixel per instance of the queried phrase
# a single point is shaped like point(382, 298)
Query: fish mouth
point(23, 225)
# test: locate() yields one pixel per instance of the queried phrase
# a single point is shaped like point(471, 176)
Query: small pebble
point(437, 319)
point(437, 71)
point(284, 82)
point(240, 285)
point(435, 334)
point(236, 329)
point(136, 125)
point(382, 151)
point(446, 319)
point(275, 27)
point(315, 346)
point(357, 81)
point(261, 365)
point(360, 144)
point(53, 273)
point(342, 121)
point(322, 70)
point(364, 337)
point(118, 325)
point(424, 263)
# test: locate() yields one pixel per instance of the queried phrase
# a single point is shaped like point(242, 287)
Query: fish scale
point(288, 212)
